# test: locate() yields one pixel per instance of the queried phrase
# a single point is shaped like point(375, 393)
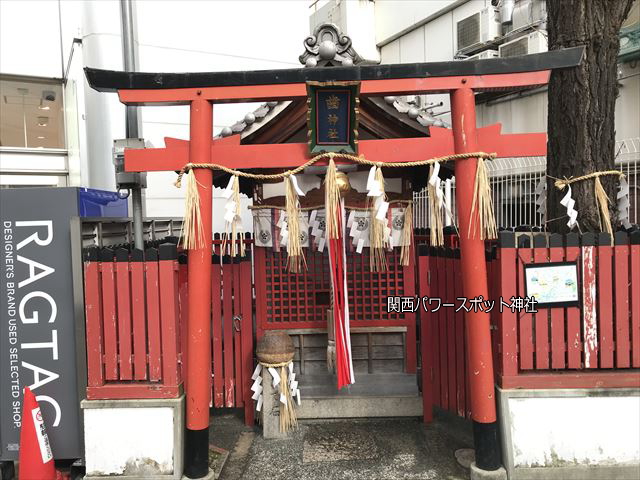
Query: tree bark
point(581, 127)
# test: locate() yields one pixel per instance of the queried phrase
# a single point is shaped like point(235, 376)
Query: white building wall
point(37, 39)
point(628, 102)
point(576, 430)
point(434, 41)
point(356, 18)
point(439, 43)
point(30, 38)
point(394, 16)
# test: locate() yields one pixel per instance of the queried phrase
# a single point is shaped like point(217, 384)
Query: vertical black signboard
point(37, 334)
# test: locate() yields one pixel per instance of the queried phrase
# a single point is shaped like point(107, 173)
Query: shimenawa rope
point(193, 230)
point(601, 198)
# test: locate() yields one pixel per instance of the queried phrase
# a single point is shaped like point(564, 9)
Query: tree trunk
point(581, 128)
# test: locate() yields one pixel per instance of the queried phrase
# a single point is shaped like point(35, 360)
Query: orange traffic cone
point(36, 459)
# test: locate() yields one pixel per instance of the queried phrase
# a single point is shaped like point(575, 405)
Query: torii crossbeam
point(460, 79)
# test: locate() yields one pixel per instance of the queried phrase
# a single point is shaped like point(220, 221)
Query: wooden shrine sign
point(332, 117)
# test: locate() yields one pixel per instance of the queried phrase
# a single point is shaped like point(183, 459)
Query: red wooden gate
point(231, 327)
point(443, 343)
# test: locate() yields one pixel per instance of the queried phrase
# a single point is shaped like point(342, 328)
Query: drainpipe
point(132, 121)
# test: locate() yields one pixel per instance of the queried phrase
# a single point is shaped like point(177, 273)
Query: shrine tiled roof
point(329, 47)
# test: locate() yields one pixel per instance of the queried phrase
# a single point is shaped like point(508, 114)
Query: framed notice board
point(553, 284)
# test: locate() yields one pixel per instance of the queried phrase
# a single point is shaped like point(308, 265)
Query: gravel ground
point(389, 448)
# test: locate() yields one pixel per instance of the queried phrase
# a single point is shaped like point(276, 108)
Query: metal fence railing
point(513, 184)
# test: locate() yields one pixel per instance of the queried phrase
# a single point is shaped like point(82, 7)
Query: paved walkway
point(401, 448)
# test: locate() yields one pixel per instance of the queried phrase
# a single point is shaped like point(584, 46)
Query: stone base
point(600, 472)
point(270, 407)
point(134, 439)
point(210, 476)
point(566, 434)
point(479, 474)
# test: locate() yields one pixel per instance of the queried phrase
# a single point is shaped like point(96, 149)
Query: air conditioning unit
point(484, 55)
point(535, 42)
point(528, 12)
point(479, 28)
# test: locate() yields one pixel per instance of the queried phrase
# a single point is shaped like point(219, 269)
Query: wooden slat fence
point(131, 310)
point(136, 307)
point(595, 344)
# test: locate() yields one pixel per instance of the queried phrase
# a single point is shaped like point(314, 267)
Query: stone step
point(360, 406)
point(375, 385)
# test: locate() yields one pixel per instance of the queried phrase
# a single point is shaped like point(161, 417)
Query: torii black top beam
point(111, 81)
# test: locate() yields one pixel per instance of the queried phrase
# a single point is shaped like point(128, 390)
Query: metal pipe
point(132, 121)
point(129, 61)
point(199, 323)
point(474, 284)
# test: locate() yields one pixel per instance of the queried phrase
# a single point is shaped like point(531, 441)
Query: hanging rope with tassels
point(601, 198)
point(193, 230)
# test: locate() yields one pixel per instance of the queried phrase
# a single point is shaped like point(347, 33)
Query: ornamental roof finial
point(328, 47)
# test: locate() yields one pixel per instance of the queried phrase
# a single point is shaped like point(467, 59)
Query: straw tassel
point(436, 234)
point(288, 418)
point(603, 208)
point(295, 260)
point(483, 205)
point(331, 199)
point(233, 223)
point(407, 235)
point(378, 231)
point(192, 229)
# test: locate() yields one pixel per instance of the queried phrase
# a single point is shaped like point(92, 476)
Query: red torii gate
point(460, 79)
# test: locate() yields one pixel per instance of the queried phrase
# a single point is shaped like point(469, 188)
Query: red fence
point(136, 318)
point(590, 345)
point(442, 336)
point(595, 344)
point(131, 308)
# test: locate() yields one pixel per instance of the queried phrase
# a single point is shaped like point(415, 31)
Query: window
point(31, 113)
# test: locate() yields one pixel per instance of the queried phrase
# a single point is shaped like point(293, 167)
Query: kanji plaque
point(333, 116)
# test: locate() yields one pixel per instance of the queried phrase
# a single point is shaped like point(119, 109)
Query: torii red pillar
point(474, 284)
point(199, 323)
